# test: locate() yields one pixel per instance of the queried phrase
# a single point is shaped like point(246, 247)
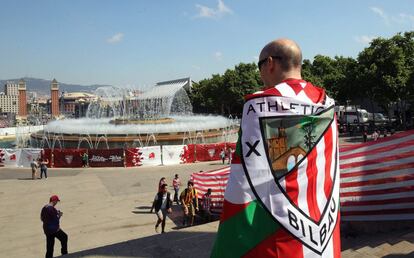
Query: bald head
point(287, 50)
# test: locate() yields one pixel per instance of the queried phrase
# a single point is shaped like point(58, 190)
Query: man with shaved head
point(282, 196)
point(279, 60)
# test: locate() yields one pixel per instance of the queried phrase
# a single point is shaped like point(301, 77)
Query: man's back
point(50, 219)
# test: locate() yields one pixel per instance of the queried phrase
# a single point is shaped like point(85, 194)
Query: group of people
point(226, 153)
point(188, 199)
point(39, 163)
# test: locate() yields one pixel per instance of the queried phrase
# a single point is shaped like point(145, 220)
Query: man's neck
point(284, 77)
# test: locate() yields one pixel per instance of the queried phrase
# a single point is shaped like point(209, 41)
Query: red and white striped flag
point(377, 179)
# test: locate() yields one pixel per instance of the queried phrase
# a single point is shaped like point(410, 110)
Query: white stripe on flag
point(378, 165)
point(302, 181)
point(377, 197)
point(392, 173)
point(368, 156)
point(379, 145)
point(320, 176)
point(377, 187)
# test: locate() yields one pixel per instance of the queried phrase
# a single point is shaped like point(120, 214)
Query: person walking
point(43, 167)
point(223, 156)
point(85, 160)
point(162, 205)
point(230, 153)
point(34, 166)
point(189, 201)
point(176, 185)
point(206, 205)
point(50, 217)
point(160, 183)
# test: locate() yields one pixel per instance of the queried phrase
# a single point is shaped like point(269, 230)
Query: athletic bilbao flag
point(282, 197)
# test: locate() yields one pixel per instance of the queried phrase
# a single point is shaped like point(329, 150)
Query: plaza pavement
point(106, 215)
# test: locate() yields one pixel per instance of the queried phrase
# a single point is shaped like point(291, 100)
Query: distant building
point(75, 103)
point(11, 89)
point(9, 99)
point(22, 99)
point(54, 94)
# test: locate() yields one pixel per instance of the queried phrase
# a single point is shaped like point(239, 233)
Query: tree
point(386, 70)
point(224, 94)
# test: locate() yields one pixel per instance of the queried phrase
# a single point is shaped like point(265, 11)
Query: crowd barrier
point(206, 152)
point(129, 157)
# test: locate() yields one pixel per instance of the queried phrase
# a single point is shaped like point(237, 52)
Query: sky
point(136, 43)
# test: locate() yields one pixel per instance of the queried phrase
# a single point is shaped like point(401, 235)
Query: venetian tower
point(22, 112)
point(54, 93)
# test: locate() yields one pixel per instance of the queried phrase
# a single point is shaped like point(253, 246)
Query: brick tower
point(54, 93)
point(22, 112)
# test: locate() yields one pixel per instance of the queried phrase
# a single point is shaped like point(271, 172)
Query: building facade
point(22, 99)
point(54, 93)
point(9, 99)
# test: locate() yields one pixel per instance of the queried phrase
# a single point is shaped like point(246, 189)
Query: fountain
point(120, 118)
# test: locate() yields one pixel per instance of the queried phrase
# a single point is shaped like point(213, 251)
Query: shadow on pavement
point(357, 235)
point(399, 255)
point(171, 244)
point(143, 207)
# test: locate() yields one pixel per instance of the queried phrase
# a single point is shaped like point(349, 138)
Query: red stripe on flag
point(287, 245)
point(270, 92)
point(377, 202)
point(337, 238)
point(378, 181)
point(231, 209)
point(311, 172)
point(328, 162)
point(377, 151)
point(377, 160)
point(235, 159)
point(292, 187)
point(378, 212)
point(382, 191)
point(278, 245)
point(377, 170)
point(380, 140)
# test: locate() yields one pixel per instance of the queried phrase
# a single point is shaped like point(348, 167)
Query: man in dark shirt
point(50, 217)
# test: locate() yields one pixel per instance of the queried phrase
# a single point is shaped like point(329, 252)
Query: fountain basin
point(101, 133)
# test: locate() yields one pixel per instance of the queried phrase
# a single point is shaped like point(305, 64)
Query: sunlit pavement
point(106, 214)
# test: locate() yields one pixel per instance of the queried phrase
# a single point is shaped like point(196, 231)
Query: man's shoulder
point(292, 88)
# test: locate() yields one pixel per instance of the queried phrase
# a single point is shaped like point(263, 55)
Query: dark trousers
point(50, 243)
point(176, 189)
point(43, 171)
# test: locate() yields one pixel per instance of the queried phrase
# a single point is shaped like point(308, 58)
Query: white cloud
point(222, 8)
point(205, 12)
point(213, 13)
point(406, 17)
point(381, 13)
point(218, 55)
point(115, 38)
point(364, 39)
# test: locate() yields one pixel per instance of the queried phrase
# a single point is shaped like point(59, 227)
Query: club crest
point(68, 159)
point(284, 153)
point(211, 152)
